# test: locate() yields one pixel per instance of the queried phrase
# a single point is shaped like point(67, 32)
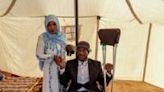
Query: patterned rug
point(21, 84)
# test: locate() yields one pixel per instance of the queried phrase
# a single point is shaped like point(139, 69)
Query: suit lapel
point(91, 71)
point(75, 69)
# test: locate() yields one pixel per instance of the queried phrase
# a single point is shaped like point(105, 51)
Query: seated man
point(83, 72)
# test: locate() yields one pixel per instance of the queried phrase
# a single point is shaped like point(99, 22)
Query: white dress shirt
point(82, 74)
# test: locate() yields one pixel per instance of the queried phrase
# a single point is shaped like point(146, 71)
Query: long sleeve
point(65, 76)
point(40, 49)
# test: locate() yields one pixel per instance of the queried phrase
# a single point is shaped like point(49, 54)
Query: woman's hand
point(59, 61)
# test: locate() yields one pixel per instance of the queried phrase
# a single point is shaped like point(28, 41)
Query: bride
point(50, 44)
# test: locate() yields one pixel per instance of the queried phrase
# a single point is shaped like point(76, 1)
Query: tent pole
point(104, 62)
point(78, 16)
point(76, 21)
point(96, 48)
point(114, 66)
point(147, 52)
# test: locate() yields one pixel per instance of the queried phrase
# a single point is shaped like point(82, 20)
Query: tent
point(140, 51)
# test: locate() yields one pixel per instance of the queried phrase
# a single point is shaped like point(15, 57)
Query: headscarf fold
point(53, 43)
point(58, 37)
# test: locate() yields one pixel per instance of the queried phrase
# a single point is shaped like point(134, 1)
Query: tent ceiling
point(44, 7)
point(148, 11)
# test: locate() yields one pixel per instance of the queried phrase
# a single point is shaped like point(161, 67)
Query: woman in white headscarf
point(50, 44)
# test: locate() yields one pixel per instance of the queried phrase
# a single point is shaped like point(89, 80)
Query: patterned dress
point(49, 45)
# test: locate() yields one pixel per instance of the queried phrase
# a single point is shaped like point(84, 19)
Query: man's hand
point(108, 67)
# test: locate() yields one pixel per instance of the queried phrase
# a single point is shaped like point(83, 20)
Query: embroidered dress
point(48, 46)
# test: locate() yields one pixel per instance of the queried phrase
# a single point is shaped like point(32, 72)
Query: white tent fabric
point(22, 21)
point(131, 50)
point(155, 63)
point(43, 7)
point(18, 38)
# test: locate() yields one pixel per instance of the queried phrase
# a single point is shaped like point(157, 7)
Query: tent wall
point(18, 39)
point(131, 49)
point(87, 31)
point(155, 65)
point(131, 52)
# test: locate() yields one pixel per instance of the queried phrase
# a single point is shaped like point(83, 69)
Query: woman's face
point(52, 28)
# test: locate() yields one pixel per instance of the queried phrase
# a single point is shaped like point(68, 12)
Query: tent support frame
point(133, 12)
point(147, 51)
point(9, 8)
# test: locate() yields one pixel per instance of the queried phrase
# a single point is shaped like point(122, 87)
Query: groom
point(84, 73)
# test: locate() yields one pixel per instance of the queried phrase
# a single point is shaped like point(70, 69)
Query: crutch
point(109, 37)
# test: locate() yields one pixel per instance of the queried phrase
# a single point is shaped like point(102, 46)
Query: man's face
point(52, 28)
point(82, 54)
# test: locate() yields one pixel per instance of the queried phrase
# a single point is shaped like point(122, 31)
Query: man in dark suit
point(84, 74)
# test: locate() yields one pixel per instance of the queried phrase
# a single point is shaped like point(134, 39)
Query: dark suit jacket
point(95, 74)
